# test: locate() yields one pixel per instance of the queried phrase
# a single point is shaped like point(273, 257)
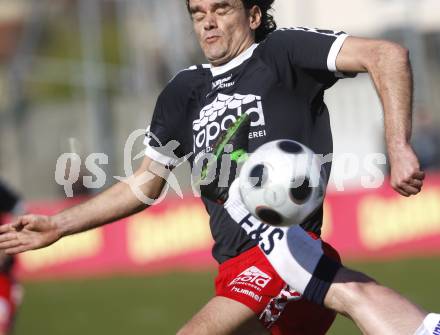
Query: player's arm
point(119, 201)
point(389, 66)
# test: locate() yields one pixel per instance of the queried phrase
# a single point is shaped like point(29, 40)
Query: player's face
point(224, 28)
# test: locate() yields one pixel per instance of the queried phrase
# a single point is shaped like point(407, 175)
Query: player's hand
point(406, 176)
point(28, 232)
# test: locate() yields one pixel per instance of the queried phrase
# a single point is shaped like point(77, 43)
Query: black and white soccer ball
point(282, 183)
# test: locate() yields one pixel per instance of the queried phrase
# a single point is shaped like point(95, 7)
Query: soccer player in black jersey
point(278, 79)
point(10, 290)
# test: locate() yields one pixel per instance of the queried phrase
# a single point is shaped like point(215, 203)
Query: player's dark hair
point(268, 23)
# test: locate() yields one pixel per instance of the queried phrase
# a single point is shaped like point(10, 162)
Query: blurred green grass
point(161, 304)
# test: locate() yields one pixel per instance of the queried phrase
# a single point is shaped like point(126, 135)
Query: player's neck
point(234, 62)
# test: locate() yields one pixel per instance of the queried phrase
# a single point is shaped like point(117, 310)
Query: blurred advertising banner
point(380, 224)
point(174, 235)
point(170, 236)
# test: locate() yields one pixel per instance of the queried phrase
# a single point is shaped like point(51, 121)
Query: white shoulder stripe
point(314, 30)
point(158, 157)
point(334, 51)
point(191, 68)
point(195, 67)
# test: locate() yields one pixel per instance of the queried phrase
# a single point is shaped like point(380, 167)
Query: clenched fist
point(406, 176)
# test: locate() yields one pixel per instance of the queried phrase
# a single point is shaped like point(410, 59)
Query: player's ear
point(255, 17)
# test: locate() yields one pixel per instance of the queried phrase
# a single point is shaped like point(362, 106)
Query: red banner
point(380, 224)
point(373, 224)
point(172, 235)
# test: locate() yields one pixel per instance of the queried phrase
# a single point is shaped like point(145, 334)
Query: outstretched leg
point(374, 308)
point(223, 316)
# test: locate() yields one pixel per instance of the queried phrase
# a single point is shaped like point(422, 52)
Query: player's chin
point(215, 55)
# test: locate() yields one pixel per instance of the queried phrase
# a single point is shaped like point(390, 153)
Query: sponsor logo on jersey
point(252, 276)
point(221, 113)
point(267, 236)
point(249, 293)
point(223, 83)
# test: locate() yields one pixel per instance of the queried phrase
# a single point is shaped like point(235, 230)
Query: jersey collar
point(240, 59)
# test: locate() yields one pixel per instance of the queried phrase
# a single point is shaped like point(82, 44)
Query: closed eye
point(198, 16)
point(223, 10)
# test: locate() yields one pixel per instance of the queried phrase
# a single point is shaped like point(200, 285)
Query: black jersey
point(280, 83)
point(8, 199)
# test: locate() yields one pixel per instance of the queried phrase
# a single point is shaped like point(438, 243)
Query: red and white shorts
point(10, 298)
point(250, 279)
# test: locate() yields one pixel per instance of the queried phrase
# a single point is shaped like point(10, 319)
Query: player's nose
point(210, 21)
